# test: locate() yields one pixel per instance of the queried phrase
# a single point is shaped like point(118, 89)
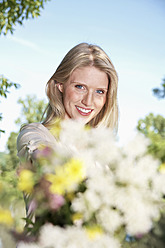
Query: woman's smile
point(84, 111)
point(84, 94)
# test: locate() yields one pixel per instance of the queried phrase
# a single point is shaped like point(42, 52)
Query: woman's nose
point(87, 99)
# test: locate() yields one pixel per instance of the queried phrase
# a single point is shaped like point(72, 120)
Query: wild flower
point(6, 217)
point(26, 181)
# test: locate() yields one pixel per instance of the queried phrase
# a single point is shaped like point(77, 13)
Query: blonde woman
point(83, 88)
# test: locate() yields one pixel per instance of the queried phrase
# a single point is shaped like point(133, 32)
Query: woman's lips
point(84, 111)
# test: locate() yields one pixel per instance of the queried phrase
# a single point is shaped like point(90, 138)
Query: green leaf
point(13, 12)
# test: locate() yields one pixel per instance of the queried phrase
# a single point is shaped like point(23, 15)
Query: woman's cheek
point(74, 95)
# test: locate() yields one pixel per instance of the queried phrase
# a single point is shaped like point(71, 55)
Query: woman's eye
point(100, 91)
point(79, 86)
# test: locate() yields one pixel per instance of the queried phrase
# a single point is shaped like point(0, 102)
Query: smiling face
point(84, 94)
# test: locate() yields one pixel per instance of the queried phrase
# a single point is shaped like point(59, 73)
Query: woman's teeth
point(84, 110)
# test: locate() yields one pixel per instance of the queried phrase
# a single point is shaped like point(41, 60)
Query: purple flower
point(44, 152)
point(56, 201)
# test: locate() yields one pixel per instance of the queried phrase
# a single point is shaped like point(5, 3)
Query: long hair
point(83, 55)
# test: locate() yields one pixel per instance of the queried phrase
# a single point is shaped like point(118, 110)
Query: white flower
point(27, 245)
point(73, 134)
point(102, 182)
point(75, 237)
point(103, 146)
point(105, 241)
point(72, 237)
point(139, 225)
point(109, 219)
point(93, 200)
point(137, 146)
point(51, 236)
point(138, 211)
point(87, 203)
point(159, 184)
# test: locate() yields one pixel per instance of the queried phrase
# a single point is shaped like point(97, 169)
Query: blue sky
point(130, 31)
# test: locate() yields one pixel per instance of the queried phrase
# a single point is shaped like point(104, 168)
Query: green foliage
point(160, 92)
point(8, 179)
point(10, 192)
point(32, 110)
point(11, 199)
point(12, 159)
point(16, 11)
point(3, 159)
point(5, 84)
point(153, 127)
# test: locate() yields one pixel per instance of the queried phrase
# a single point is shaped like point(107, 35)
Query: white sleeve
point(30, 137)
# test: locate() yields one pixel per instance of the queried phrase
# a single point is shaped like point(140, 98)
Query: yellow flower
point(58, 185)
point(56, 127)
point(5, 217)
point(66, 176)
point(26, 181)
point(94, 231)
point(74, 170)
point(162, 168)
point(76, 217)
point(59, 181)
point(87, 127)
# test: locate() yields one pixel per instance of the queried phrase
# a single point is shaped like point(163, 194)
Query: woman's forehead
point(90, 75)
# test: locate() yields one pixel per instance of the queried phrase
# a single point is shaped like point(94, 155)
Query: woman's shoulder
point(35, 130)
point(33, 127)
point(32, 136)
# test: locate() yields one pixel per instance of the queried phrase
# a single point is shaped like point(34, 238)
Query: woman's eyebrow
point(76, 82)
point(83, 83)
point(102, 88)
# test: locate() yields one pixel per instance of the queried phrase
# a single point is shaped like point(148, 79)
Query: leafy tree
point(3, 157)
point(12, 160)
point(16, 11)
point(5, 84)
point(153, 127)
point(32, 110)
point(160, 92)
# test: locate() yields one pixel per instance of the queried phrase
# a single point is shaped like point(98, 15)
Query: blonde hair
point(82, 55)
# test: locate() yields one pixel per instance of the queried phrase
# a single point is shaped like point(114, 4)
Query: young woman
point(83, 88)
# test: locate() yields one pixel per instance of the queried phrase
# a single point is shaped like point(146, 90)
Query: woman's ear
point(60, 87)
